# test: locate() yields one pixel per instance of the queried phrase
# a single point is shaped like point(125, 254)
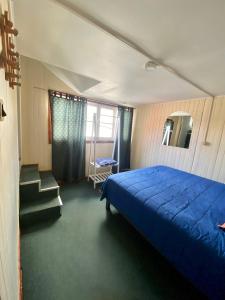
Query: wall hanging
point(9, 58)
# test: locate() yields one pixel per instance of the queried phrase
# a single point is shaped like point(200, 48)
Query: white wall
point(37, 79)
point(9, 183)
point(207, 161)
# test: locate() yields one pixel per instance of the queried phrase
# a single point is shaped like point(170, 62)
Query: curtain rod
point(102, 102)
point(88, 100)
point(64, 95)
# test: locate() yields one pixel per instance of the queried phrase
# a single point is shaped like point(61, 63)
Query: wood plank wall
point(207, 161)
point(9, 183)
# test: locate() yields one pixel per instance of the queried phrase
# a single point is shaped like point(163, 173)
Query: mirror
point(177, 130)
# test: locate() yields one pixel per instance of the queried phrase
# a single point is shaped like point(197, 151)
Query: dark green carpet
point(89, 254)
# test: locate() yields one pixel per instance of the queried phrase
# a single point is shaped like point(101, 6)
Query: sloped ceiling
point(187, 35)
point(77, 82)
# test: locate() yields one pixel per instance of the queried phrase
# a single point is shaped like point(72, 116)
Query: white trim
point(49, 189)
point(60, 201)
point(30, 182)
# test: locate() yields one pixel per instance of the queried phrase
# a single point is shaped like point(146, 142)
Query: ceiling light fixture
point(151, 65)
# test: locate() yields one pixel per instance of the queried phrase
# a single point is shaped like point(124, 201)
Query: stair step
point(39, 196)
point(48, 182)
point(29, 174)
point(40, 205)
point(39, 211)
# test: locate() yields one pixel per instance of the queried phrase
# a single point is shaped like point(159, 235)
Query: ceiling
point(187, 35)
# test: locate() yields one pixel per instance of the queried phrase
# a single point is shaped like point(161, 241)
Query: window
point(105, 121)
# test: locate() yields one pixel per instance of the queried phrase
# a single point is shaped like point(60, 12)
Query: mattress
point(178, 213)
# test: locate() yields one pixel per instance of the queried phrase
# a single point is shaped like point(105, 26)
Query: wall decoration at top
point(9, 58)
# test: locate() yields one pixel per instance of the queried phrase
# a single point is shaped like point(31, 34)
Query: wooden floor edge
point(20, 270)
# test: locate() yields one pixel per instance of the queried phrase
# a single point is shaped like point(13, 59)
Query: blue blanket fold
point(106, 161)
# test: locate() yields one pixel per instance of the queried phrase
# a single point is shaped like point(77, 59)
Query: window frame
point(98, 114)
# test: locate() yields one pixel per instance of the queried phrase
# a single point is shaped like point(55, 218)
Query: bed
point(178, 213)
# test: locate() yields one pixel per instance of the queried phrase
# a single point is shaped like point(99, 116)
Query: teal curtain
point(68, 136)
point(126, 118)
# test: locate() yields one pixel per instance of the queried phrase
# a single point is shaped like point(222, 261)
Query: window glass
point(106, 131)
point(105, 121)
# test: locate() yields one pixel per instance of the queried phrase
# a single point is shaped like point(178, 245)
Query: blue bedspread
point(178, 213)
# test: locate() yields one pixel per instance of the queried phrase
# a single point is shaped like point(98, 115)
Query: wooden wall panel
point(206, 155)
point(9, 183)
point(204, 160)
point(219, 173)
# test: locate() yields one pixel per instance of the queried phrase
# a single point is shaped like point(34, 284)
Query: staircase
point(39, 196)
